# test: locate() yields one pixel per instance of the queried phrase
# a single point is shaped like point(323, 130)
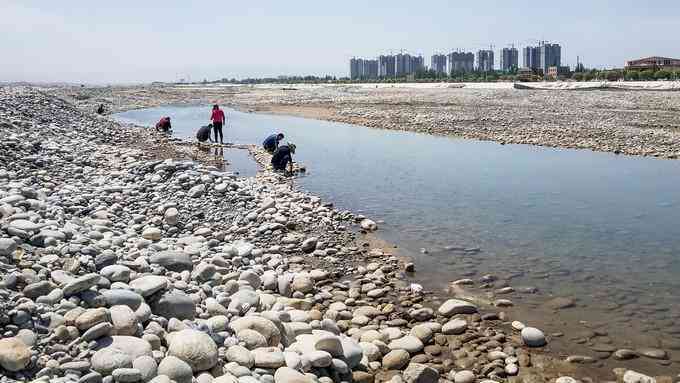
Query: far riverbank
point(644, 123)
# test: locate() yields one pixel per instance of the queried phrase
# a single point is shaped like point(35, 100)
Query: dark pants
point(217, 128)
point(203, 133)
point(281, 163)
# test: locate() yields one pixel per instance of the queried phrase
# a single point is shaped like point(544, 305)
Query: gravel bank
point(645, 123)
point(122, 261)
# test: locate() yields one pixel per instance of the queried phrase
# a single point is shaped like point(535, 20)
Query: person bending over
point(203, 133)
point(217, 118)
point(163, 125)
point(283, 156)
point(271, 143)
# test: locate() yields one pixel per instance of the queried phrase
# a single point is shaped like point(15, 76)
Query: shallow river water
point(595, 227)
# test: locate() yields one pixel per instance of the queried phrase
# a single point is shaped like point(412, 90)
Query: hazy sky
point(147, 40)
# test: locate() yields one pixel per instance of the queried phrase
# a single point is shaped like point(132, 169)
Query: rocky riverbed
point(642, 123)
point(127, 258)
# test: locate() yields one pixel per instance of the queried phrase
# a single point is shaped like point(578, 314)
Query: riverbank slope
point(123, 260)
point(636, 122)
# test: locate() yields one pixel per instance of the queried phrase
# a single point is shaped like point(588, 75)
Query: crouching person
point(203, 133)
point(283, 157)
point(271, 143)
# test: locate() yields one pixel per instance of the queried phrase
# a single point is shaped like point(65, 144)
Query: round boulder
point(303, 283)
point(533, 337)
point(456, 306)
point(420, 373)
point(396, 359)
point(14, 354)
point(176, 369)
point(262, 325)
point(118, 352)
point(194, 347)
point(288, 375)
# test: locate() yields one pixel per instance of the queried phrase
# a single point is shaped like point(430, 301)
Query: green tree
point(662, 74)
point(612, 75)
point(632, 75)
point(647, 74)
point(578, 76)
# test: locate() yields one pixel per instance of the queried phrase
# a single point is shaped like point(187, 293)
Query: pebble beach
point(641, 122)
point(127, 257)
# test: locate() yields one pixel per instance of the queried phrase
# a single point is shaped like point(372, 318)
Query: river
point(596, 228)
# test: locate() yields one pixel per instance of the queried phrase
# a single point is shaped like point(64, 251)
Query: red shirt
point(217, 116)
point(162, 123)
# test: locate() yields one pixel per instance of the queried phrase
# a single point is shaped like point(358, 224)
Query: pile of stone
point(118, 268)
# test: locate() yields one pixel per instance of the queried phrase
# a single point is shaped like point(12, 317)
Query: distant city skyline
point(130, 41)
point(538, 58)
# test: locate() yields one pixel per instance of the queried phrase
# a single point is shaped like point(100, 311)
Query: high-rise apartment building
point(542, 57)
point(370, 69)
point(509, 59)
point(549, 55)
point(362, 69)
point(417, 64)
point(461, 62)
point(386, 66)
point(438, 63)
point(530, 58)
point(354, 68)
point(402, 64)
point(405, 64)
point(485, 61)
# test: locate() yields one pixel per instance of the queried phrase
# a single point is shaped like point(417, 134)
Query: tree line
point(582, 74)
point(627, 75)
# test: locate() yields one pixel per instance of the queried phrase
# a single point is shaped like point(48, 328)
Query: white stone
point(368, 225)
point(454, 327)
point(464, 376)
point(420, 373)
point(635, 377)
point(533, 337)
point(152, 233)
point(194, 347)
point(171, 216)
point(456, 306)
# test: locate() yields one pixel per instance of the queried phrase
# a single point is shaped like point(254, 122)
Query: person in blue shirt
point(271, 143)
point(283, 156)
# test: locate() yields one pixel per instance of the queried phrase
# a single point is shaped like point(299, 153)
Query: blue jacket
point(271, 142)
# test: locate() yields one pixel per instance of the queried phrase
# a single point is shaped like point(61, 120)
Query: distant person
point(283, 156)
point(100, 109)
point(217, 118)
point(271, 143)
point(164, 125)
point(203, 133)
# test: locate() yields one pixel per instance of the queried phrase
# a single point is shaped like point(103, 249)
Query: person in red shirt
point(164, 125)
point(217, 119)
